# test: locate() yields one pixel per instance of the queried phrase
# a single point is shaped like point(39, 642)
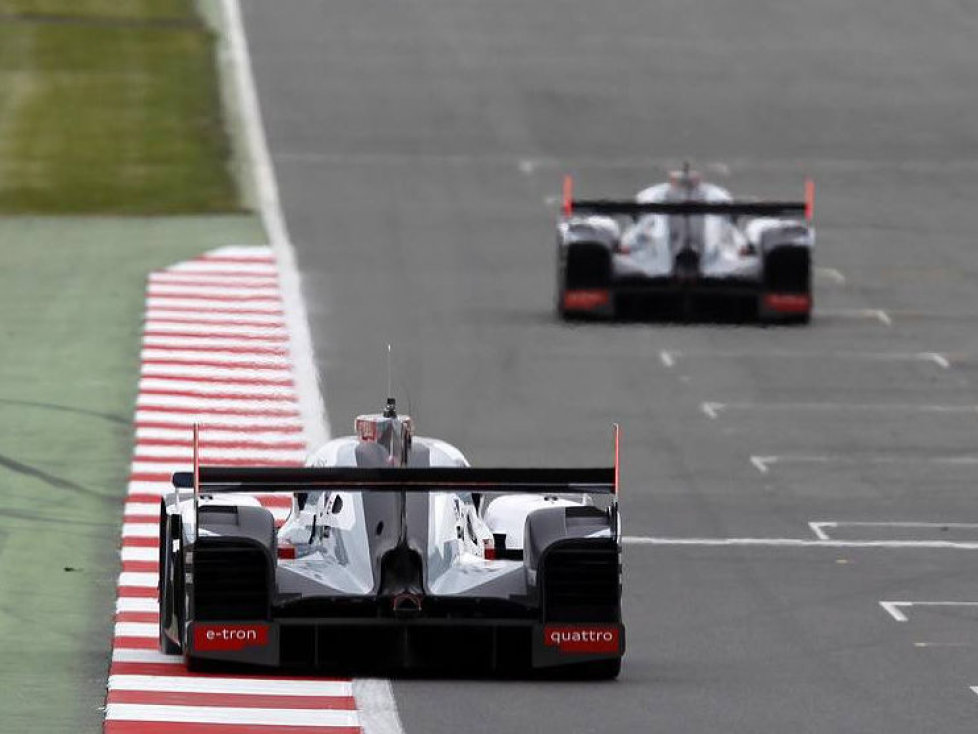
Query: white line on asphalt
point(669, 357)
point(819, 527)
point(764, 463)
point(876, 314)
point(802, 543)
point(832, 274)
point(895, 608)
point(311, 400)
point(714, 409)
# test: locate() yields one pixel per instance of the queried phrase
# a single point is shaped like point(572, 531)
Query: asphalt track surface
point(416, 144)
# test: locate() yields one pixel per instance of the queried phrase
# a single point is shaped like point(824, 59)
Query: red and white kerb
point(215, 352)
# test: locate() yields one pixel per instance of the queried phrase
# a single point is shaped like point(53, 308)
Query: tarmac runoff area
point(216, 351)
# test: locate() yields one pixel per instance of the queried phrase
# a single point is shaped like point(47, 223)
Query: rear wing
point(219, 479)
point(632, 208)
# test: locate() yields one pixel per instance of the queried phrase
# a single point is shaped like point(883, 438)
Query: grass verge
point(71, 299)
point(110, 107)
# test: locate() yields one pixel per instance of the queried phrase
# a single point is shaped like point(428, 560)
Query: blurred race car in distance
point(397, 555)
point(681, 245)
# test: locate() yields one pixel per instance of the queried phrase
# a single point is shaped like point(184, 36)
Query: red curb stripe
point(218, 396)
point(192, 413)
point(137, 643)
point(223, 444)
point(178, 669)
point(230, 365)
point(213, 298)
point(163, 316)
point(143, 497)
point(176, 426)
point(229, 349)
point(242, 381)
point(146, 617)
point(236, 700)
point(177, 463)
point(217, 335)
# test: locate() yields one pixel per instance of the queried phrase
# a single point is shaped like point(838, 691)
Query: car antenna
point(390, 410)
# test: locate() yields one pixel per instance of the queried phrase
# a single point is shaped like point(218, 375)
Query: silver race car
point(681, 245)
point(396, 555)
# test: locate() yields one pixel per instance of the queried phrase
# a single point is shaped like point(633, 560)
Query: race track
point(418, 145)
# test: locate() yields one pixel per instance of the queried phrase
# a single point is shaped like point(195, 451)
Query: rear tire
point(171, 591)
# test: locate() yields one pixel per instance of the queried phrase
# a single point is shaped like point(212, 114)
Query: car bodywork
point(682, 243)
point(396, 556)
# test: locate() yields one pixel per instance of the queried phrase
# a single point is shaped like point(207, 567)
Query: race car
point(397, 555)
point(684, 244)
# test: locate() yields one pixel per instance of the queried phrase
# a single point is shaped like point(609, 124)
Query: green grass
point(110, 107)
point(71, 305)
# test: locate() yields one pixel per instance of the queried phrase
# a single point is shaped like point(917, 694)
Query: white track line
point(802, 543)
point(714, 409)
point(669, 357)
point(831, 274)
point(764, 463)
point(895, 608)
point(306, 375)
point(876, 314)
point(819, 527)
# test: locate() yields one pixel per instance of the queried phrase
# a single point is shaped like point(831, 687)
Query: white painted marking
point(766, 354)
point(204, 404)
point(527, 166)
point(210, 328)
point(137, 629)
point(210, 317)
point(228, 715)
point(217, 434)
point(241, 252)
point(714, 409)
point(803, 543)
point(311, 400)
point(893, 609)
point(137, 553)
point(134, 655)
point(254, 686)
point(140, 530)
point(206, 280)
point(192, 357)
point(939, 359)
point(217, 388)
point(168, 341)
point(764, 463)
point(191, 371)
point(215, 420)
point(204, 304)
point(134, 578)
point(876, 314)
point(818, 529)
point(193, 291)
point(711, 410)
point(203, 266)
point(832, 274)
point(218, 455)
point(142, 508)
point(148, 487)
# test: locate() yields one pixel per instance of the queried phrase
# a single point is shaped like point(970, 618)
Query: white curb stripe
point(259, 686)
point(228, 715)
point(137, 603)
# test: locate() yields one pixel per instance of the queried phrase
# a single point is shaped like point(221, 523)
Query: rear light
point(286, 552)
point(788, 302)
point(585, 300)
point(489, 549)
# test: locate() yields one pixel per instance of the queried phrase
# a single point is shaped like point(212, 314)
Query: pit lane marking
point(876, 314)
point(713, 410)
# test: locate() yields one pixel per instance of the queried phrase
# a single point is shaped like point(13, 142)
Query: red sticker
point(229, 636)
point(574, 638)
